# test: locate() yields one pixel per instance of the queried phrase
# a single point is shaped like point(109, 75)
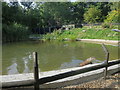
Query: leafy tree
point(92, 15)
point(6, 16)
point(115, 5)
point(77, 12)
point(45, 14)
point(105, 8)
point(27, 4)
point(113, 17)
point(13, 28)
point(56, 13)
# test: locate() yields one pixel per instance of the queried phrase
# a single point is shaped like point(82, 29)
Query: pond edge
point(27, 79)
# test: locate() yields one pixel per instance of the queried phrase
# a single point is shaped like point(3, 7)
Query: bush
point(106, 25)
point(14, 32)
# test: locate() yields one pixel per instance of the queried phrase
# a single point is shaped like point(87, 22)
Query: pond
point(17, 57)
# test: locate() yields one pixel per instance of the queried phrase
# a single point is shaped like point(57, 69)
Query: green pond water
point(17, 57)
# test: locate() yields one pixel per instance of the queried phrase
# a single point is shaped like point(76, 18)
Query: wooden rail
point(75, 72)
point(43, 80)
point(40, 81)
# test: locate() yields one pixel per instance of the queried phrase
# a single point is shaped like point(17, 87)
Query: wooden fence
point(40, 81)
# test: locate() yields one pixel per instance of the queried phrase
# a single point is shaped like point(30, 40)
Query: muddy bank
point(112, 42)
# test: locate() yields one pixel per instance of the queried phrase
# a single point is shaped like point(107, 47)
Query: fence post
point(107, 59)
point(36, 71)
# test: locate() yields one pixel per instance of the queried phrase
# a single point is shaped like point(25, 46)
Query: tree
point(92, 15)
point(105, 9)
point(115, 5)
point(13, 28)
point(77, 12)
point(113, 17)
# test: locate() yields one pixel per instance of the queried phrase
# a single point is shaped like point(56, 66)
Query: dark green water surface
point(17, 57)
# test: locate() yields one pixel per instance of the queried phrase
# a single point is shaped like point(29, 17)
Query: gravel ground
point(112, 82)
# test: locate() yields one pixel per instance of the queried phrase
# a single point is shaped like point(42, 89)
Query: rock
point(83, 30)
point(87, 61)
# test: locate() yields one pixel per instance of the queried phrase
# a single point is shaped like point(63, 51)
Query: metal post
point(107, 59)
point(36, 71)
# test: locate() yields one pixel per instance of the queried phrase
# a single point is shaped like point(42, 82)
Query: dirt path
point(111, 82)
point(110, 42)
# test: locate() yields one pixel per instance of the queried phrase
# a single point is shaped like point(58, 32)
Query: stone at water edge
point(87, 61)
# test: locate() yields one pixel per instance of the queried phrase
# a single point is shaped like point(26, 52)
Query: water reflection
point(17, 57)
point(13, 69)
point(73, 63)
point(26, 61)
point(26, 70)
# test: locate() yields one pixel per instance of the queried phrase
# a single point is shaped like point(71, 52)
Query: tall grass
point(14, 32)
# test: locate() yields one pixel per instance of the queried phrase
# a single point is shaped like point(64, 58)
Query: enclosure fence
point(44, 80)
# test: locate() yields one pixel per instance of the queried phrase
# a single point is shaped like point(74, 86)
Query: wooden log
point(87, 61)
point(36, 71)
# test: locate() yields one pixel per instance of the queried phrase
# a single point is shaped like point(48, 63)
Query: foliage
point(96, 32)
point(19, 20)
point(106, 25)
point(14, 32)
point(92, 15)
point(14, 27)
point(115, 6)
point(105, 8)
point(77, 12)
point(113, 17)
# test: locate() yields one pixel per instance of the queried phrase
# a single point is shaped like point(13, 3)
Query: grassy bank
point(95, 32)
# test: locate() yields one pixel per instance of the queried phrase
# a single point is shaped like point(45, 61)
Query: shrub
point(14, 32)
point(106, 25)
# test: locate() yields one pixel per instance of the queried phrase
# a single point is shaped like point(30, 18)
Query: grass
point(96, 32)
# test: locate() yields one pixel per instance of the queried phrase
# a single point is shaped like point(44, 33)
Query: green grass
point(96, 32)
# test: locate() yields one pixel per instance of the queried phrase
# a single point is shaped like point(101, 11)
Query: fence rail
point(71, 73)
point(105, 65)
